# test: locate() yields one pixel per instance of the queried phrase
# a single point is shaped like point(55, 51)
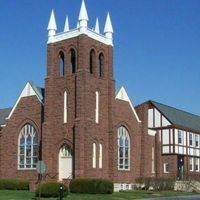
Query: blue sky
point(156, 46)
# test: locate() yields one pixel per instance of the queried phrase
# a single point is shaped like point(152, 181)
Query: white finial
point(52, 22)
point(83, 17)
point(97, 30)
point(66, 28)
point(108, 26)
point(52, 26)
point(77, 26)
point(108, 30)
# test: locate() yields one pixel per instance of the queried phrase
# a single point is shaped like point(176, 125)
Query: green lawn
point(25, 195)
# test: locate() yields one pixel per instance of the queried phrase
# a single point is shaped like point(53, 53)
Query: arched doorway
point(65, 162)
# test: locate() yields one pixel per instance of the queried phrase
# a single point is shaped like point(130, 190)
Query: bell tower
point(79, 96)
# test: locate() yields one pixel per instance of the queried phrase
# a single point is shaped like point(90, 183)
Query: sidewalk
point(192, 197)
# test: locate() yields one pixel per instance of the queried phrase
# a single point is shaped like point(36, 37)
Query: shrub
point(155, 183)
point(91, 186)
point(51, 189)
point(14, 184)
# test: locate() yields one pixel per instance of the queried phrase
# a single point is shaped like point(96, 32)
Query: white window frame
point(166, 168)
point(191, 164)
point(180, 136)
point(65, 107)
point(123, 135)
point(26, 131)
point(191, 139)
point(94, 155)
point(196, 140)
point(197, 163)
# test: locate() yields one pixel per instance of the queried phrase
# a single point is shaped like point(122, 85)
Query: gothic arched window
point(123, 149)
point(73, 60)
point(61, 64)
point(92, 61)
point(27, 147)
point(101, 65)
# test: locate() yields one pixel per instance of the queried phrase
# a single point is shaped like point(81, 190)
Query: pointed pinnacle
point(108, 25)
point(52, 22)
point(83, 12)
point(66, 28)
point(97, 30)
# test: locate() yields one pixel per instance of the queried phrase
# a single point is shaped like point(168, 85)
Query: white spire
point(52, 22)
point(108, 30)
point(66, 28)
point(83, 17)
point(108, 26)
point(97, 30)
point(83, 12)
point(51, 27)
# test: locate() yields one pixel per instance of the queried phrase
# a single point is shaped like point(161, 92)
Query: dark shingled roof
point(3, 114)
point(179, 117)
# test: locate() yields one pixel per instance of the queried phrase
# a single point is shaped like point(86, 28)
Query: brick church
point(81, 126)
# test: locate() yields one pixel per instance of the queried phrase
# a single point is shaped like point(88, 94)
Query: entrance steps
point(187, 186)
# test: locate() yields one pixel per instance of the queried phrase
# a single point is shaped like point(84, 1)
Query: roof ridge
point(175, 108)
point(5, 108)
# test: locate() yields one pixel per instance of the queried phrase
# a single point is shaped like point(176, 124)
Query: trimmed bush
point(155, 183)
point(91, 186)
point(51, 189)
point(14, 184)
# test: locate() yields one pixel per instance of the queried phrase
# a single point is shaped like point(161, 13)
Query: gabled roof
point(29, 90)
point(4, 114)
point(121, 94)
point(179, 117)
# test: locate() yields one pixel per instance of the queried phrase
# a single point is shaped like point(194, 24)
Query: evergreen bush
point(91, 186)
point(51, 189)
point(14, 184)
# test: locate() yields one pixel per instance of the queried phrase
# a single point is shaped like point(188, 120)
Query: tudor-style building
point(173, 137)
point(81, 127)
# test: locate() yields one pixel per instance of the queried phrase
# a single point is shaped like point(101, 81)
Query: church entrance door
point(65, 162)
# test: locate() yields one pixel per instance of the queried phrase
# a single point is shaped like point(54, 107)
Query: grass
point(128, 195)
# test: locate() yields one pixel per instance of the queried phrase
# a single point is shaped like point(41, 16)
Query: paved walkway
point(192, 197)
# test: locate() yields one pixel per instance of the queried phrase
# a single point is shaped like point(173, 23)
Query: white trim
point(97, 107)
point(165, 168)
point(100, 156)
point(26, 92)
point(94, 155)
point(122, 95)
point(3, 125)
point(76, 32)
point(151, 132)
point(65, 107)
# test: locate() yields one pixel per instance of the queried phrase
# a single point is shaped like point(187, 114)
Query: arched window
point(92, 61)
point(123, 149)
point(73, 60)
point(65, 107)
point(94, 155)
point(27, 147)
point(97, 107)
point(101, 65)
point(61, 64)
point(66, 151)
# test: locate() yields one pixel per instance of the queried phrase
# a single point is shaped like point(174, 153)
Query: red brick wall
point(28, 110)
point(124, 116)
point(86, 130)
point(147, 142)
